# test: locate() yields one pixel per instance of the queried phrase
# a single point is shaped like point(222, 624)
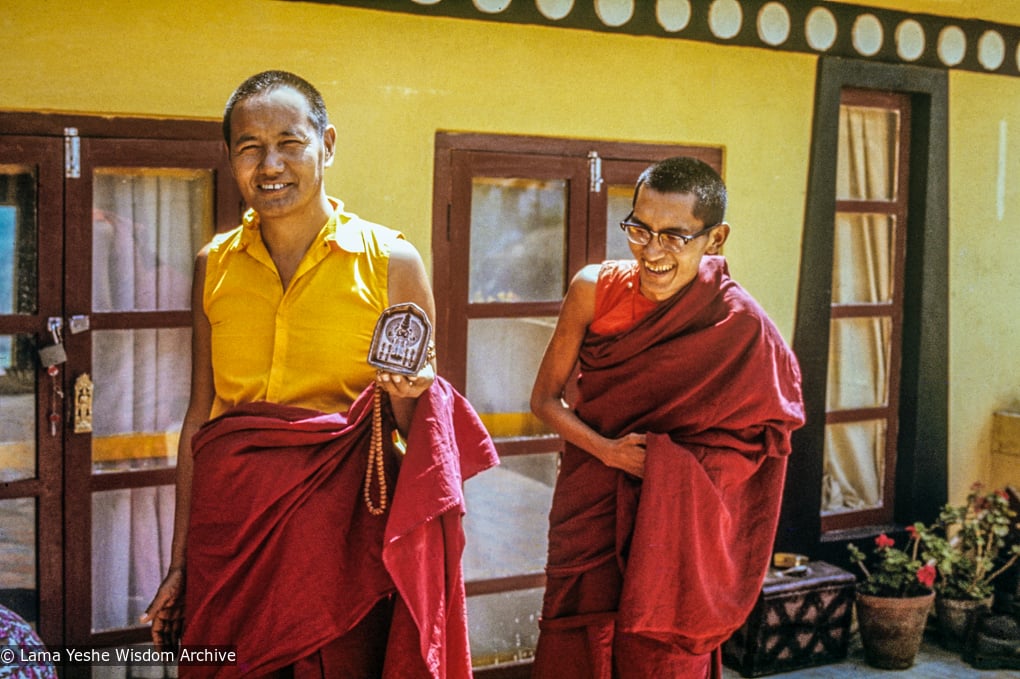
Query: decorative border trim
point(815, 27)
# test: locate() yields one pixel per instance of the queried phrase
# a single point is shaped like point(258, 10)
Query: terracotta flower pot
point(892, 628)
point(956, 618)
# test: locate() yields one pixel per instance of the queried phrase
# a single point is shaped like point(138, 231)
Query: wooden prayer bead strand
point(376, 459)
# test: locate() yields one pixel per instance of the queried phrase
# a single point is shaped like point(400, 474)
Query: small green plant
point(969, 544)
point(894, 572)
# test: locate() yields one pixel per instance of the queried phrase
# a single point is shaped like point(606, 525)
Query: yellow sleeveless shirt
point(305, 346)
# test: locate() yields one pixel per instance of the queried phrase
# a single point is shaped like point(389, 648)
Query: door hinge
point(594, 172)
point(72, 153)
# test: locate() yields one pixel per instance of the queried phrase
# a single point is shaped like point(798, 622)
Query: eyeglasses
point(639, 234)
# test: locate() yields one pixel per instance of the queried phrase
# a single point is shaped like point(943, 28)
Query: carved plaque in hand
point(401, 339)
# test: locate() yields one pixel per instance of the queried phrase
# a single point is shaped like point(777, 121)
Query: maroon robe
point(647, 579)
point(283, 557)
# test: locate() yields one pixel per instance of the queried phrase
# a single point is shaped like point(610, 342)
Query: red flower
point(926, 575)
point(913, 532)
point(883, 541)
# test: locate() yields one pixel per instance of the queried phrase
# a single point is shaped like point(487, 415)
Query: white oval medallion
point(867, 35)
point(820, 28)
point(724, 18)
point(554, 9)
point(952, 45)
point(909, 40)
point(673, 15)
point(991, 50)
point(773, 24)
point(614, 12)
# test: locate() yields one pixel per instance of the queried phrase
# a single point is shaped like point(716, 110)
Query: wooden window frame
point(75, 480)
point(921, 462)
point(896, 208)
point(451, 284)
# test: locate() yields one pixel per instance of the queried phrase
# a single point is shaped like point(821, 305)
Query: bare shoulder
point(403, 253)
point(407, 279)
point(587, 276)
point(579, 304)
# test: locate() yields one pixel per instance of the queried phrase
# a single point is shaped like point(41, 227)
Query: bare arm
point(408, 282)
point(166, 610)
point(557, 368)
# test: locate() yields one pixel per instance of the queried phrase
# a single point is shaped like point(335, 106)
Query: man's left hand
point(406, 386)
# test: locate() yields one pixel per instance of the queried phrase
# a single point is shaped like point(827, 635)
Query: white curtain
point(859, 348)
point(147, 226)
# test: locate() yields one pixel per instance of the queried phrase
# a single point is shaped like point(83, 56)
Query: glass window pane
point(18, 579)
point(141, 392)
point(508, 517)
point(854, 470)
point(859, 350)
point(18, 249)
point(147, 225)
point(17, 408)
point(131, 534)
point(518, 239)
point(504, 626)
point(618, 206)
point(867, 154)
point(503, 358)
point(862, 259)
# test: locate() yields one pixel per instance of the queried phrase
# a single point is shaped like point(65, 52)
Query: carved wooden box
point(798, 621)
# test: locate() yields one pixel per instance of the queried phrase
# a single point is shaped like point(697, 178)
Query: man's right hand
point(626, 453)
point(166, 612)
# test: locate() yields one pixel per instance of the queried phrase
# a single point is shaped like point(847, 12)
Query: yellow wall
point(984, 303)
point(392, 80)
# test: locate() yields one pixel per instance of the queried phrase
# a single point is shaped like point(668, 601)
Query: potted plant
point(968, 544)
point(893, 600)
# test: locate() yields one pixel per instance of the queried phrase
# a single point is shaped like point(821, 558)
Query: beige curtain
point(859, 348)
point(147, 226)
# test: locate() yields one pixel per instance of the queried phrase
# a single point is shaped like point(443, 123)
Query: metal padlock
point(54, 354)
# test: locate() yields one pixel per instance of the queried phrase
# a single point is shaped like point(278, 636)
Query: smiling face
point(278, 158)
point(664, 273)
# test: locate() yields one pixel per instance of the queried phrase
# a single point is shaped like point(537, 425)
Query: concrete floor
point(933, 662)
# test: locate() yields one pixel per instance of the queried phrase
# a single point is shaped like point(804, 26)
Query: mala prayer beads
point(375, 459)
point(376, 455)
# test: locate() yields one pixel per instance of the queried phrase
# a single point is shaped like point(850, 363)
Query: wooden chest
point(798, 621)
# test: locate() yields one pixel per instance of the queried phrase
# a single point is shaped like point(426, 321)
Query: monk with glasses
point(670, 482)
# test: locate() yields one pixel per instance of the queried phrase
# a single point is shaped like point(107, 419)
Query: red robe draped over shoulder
point(283, 556)
point(647, 578)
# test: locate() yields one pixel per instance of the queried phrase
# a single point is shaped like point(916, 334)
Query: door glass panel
point(18, 586)
point(17, 408)
point(503, 358)
point(18, 250)
point(862, 268)
point(859, 351)
point(504, 626)
point(867, 153)
point(518, 239)
point(147, 225)
point(618, 206)
point(508, 517)
point(140, 393)
point(854, 467)
point(131, 533)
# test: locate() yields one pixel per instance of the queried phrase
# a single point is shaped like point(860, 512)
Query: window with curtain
point(515, 219)
point(871, 330)
point(147, 223)
point(866, 316)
